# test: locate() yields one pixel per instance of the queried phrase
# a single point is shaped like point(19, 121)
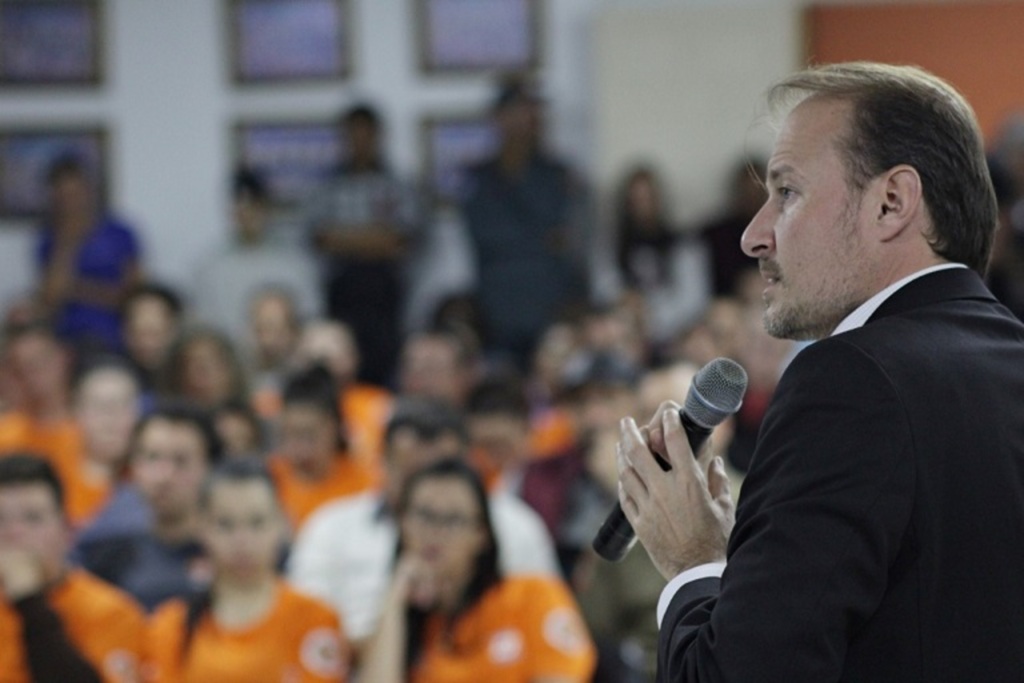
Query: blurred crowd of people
point(278, 476)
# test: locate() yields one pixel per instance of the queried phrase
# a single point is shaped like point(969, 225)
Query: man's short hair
point(427, 418)
point(24, 469)
point(64, 166)
point(170, 298)
point(184, 413)
point(905, 115)
point(361, 112)
point(502, 395)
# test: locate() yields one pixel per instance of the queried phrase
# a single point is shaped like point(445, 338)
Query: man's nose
point(758, 239)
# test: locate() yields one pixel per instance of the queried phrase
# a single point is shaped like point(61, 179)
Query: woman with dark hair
point(313, 464)
point(665, 268)
point(249, 626)
point(450, 616)
point(204, 367)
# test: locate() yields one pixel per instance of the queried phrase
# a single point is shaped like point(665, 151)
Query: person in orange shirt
point(107, 402)
point(451, 617)
point(249, 627)
point(312, 465)
point(56, 623)
point(38, 368)
point(364, 408)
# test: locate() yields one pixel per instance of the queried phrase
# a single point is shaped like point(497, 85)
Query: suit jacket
point(880, 534)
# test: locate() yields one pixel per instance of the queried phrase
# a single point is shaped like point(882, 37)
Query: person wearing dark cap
point(524, 210)
point(253, 262)
point(364, 221)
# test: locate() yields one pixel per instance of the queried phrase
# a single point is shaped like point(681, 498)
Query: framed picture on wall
point(50, 42)
point(26, 156)
point(293, 157)
point(450, 145)
point(465, 36)
point(276, 41)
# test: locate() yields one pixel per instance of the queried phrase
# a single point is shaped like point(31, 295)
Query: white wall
point(680, 88)
point(169, 105)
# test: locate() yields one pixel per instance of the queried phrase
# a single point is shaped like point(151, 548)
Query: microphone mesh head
point(716, 393)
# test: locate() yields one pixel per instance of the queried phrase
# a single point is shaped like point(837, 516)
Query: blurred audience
point(152, 317)
point(227, 282)
point(526, 216)
point(450, 609)
point(440, 363)
point(1006, 270)
point(107, 406)
point(746, 194)
point(248, 625)
point(57, 623)
point(273, 339)
point(88, 260)
point(665, 269)
point(363, 222)
point(351, 569)
point(38, 368)
point(312, 465)
point(203, 367)
point(364, 407)
point(153, 550)
point(573, 492)
point(240, 429)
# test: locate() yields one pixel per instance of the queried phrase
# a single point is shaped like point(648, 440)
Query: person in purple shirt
point(87, 260)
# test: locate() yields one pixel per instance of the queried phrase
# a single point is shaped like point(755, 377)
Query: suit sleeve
point(824, 509)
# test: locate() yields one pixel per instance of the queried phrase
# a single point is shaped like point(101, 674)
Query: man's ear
point(898, 198)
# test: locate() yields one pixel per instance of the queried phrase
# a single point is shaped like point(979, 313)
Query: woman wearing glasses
point(450, 616)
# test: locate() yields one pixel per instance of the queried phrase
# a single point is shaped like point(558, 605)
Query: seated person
point(204, 368)
point(151, 320)
point(240, 429)
point(450, 615)
point(56, 623)
point(107, 401)
point(249, 626)
point(364, 407)
point(313, 465)
point(152, 549)
point(351, 569)
point(37, 366)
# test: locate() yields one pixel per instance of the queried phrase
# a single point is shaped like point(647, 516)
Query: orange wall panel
point(977, 46)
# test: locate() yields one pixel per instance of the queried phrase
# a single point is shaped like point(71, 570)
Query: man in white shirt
point(345, 550)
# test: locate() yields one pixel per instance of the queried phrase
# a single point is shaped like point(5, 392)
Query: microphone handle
point(616, 537)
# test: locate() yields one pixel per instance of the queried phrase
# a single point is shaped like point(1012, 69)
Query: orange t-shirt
point(552, 432)
point(299, 496)
point(61, 444)
point(102, 622)
point(365, 411)
point(524, 628)
point(57, 442)
point(299, 641)
point(83, 498)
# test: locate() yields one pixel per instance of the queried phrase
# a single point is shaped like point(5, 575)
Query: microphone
point(715, 394)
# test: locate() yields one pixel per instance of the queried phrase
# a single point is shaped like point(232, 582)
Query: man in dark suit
point(879, 533)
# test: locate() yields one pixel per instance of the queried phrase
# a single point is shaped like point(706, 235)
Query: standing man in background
point(871, 539)
point(524, 211)
point(363, 222)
